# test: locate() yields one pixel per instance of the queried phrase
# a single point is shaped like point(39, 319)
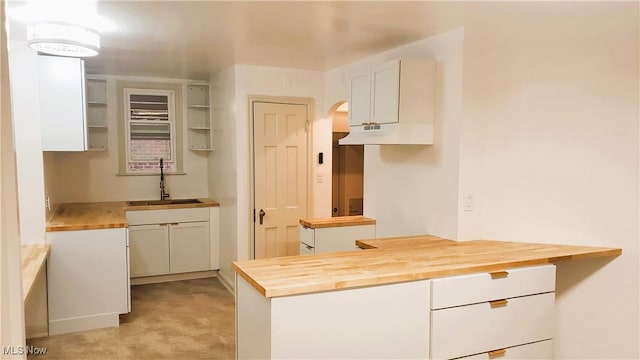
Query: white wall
point(11, 305)
point(26, 119)
point(251, 80)
point(93, 176)
point(223, 186)
point(414, 189)
point(558, 112)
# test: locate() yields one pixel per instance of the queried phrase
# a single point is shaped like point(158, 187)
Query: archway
point(347, 166)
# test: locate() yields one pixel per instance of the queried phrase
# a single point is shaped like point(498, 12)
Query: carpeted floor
point(191, 319)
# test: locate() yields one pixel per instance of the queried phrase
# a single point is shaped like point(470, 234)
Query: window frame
point(170, 119)
point(124, 139)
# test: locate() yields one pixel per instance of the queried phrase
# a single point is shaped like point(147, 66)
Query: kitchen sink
point(163, 202)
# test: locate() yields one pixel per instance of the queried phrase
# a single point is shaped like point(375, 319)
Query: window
point(150, 127)
point(150, 130)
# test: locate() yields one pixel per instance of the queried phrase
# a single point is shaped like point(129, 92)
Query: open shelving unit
point(97, 128)
point(199, 116)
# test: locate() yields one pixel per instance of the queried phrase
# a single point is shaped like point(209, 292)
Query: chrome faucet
point(163, 195)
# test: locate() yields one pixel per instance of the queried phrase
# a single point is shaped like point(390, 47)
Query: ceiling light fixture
point(63, 39)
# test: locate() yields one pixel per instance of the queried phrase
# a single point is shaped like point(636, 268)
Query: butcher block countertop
point(88, 216)
point(104, 215)
point(428, 257)
point(337, 221)
point(33, 262)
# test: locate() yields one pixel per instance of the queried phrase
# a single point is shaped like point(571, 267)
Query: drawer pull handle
point(496, 353)
point(499, 274)
point(497, 303)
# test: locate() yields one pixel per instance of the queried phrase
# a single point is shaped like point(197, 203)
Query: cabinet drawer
point(307, 236)
point(475, 288)
point(167, 216)
point(537, 350)
point(473, 329)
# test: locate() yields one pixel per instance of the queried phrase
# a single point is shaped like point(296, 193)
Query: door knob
point(262, 214)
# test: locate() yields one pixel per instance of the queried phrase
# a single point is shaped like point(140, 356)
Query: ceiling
point(196, 39)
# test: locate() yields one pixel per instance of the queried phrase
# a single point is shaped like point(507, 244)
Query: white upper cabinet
point(393, 103)
point(385, 85)
point(360, 99)
point(62, 103)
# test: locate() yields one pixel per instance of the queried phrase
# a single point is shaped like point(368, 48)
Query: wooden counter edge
point(248, 279)
point(51, 228)
point(314, 225)
point(33, 267)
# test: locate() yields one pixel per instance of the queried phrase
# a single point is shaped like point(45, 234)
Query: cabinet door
point(189, 244)
point(360, 100)
point(148, 250)
point(385, 92)
point(62, 103)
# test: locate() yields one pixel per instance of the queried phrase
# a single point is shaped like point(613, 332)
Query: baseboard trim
point(32, 332)
point(173, 277)
point(230, 285)
point(83, 323)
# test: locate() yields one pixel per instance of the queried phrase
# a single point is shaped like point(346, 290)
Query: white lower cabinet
point(169, 241)
point(87, 278)
point(149, 249)
point(375, 322)
point(493, 314)
point(189, 247)
point(333, 239)
point(172, 241)
point(503, 315)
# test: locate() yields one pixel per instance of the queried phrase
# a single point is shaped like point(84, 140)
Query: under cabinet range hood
point(390, 134)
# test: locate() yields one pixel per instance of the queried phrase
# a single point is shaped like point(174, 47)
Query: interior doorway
point(348, 166)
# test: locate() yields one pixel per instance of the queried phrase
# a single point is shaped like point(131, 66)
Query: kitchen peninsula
point(403, 298)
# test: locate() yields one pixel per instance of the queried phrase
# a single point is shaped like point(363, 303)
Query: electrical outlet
point(467, 202)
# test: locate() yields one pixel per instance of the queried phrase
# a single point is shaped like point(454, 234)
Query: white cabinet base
point(378, 322)
point(83, 323)
point(87, 279)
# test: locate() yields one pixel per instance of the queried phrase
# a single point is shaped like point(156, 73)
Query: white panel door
point(149, 250)
point(280, 170)
point(385, 92)
point(189, 247)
